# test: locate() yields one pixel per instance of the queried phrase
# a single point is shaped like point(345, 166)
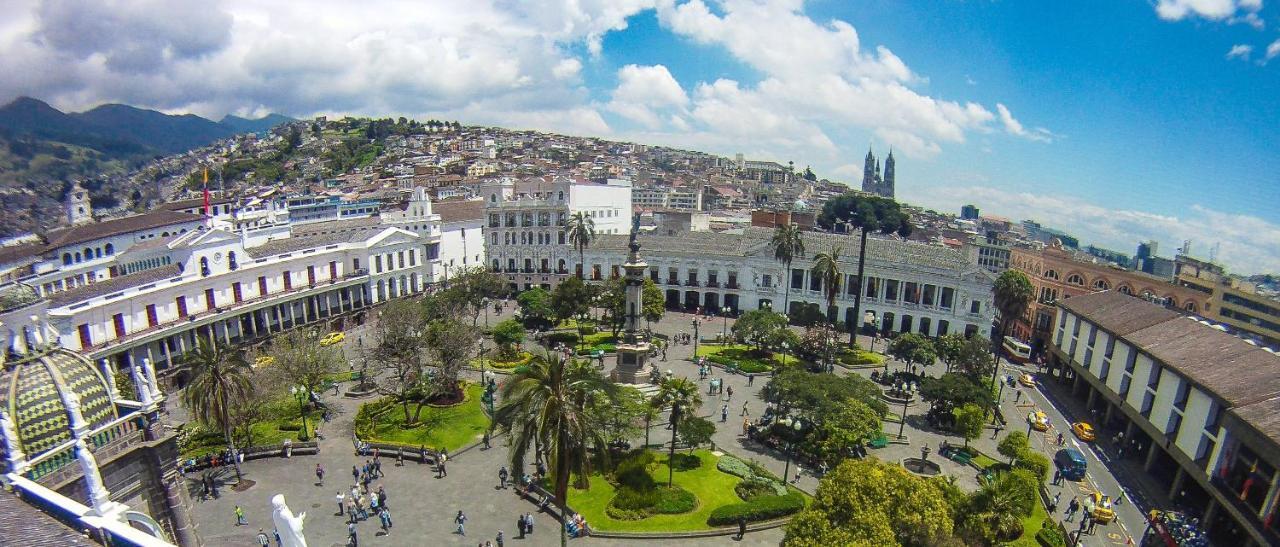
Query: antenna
point(1213, 252)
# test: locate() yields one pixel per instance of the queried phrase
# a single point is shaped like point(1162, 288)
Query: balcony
point(732, 285)
point(713, 283)
point(673, 281)
point(544, 270)
point(692, 283)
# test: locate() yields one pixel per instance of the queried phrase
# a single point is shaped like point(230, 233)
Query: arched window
point(231, 260)
point(111, 249)
point(77, 256)
point(1190, 306)
point(1171, 302)
point(164, 234)
point(493, 198)
point(88, 253)
point(497, 266)
point(1101, 285)
point(1051, 274)
point(1075, 279)
point(204, 266)
point(66, 259)
point(561, 195)
point(1124, 289)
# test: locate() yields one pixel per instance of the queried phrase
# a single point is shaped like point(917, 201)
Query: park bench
point(961, 457)
point(879, 442)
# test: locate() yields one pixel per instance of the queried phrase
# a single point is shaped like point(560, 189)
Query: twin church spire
point(873, 181)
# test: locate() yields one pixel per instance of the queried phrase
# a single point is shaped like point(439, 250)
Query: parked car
point(1039, 420)
point(1071, 463)
point(333, 338)
point(1083, 431)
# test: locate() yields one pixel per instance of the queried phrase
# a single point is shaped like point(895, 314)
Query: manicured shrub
point(676, 500)
point(734, 466)
point(1051, 534)
point(566, 338)
point(632, 473)
point(763, 508)
point(1034, 462)
point(749, 490)
point(685, 462)
point(629, 499)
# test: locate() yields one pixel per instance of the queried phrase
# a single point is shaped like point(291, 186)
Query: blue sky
point(1115, 120)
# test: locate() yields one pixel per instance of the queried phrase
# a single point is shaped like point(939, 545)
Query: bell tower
point(77, 207)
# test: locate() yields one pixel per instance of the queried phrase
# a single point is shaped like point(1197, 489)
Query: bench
point(879, 442)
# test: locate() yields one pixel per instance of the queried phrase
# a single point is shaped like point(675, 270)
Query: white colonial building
point(911, 287)
point(525, 231)
point(1199, 406)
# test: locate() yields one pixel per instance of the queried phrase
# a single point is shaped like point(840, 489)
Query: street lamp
point(796, 426)
point(696, 322)
point(724, 332)
point(785, 348)
point(902, 421)
point(300, 394)
point(869, 318)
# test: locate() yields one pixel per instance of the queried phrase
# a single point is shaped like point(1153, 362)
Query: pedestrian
point(351, 535)
point(730, 393)
point(319, 475)
point(751, 379)
point(742, 527)
point(399, 457)
point(385, 516)
point(744, 409)
point(724, 413)
point(746, 426)
point(486, 439)
point(382, 496)
point(240, 517)
point(1017, 395)
point(1059, 439)
point(377, 467)
point(341, 498)
point(1120, 498)
point(1056, 497)
point(263, 540)
point(461, 521)
point(1072, 507)
point(520, 526)
point(1057, 474)
point(528, 522)
point(498, 539)
point(355, 474)
point(444, 472)
point(502, 478)
point(279, 542)
point(422, 453)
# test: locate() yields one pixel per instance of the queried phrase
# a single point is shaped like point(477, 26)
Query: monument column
point(633, 351)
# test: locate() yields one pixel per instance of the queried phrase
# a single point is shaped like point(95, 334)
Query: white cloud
point(1248, 244)
point(1216, 10)
point(1014, 127)
point(1273, 50)
point(644, 91)
point(1240, 51)
point(566, 69)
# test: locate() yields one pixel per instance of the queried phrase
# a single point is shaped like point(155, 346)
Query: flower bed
point(451, 427)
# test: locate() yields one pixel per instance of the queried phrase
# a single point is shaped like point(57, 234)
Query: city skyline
point(1077, 119)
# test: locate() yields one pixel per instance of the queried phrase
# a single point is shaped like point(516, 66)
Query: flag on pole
point(206, 191)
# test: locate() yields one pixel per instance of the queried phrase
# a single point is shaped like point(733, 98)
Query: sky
point(1115, 120)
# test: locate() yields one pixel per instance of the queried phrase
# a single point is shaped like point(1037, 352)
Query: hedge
point(748, 367)
point(566, 338)
point(762, 508)
point(1052, 534)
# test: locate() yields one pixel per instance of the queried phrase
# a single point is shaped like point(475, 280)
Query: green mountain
point(260, 125)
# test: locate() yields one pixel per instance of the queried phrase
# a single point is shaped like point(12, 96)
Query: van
point(1071, 463)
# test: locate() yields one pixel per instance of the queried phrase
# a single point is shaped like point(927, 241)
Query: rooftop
point(60, 237)
point(36, 528)
point(459, 210)
point(115, 284)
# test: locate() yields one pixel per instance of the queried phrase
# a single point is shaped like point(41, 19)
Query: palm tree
point(867, 214)
point(547, 405)
point(582, 231)
point(826, 266)
point(1013, 293)
point(787, 243)
point(219, 382)
point(997, 508)
point(681, 395)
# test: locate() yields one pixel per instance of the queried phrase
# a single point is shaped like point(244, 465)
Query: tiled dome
point(31, 391)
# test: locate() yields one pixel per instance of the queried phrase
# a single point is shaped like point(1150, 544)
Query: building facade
point(910, 287)
point(1198, 405)
point(1234, 302)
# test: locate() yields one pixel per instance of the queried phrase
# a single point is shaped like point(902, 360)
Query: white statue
point(140, 386)
point(98, 494)
point(10, 432)
point(289, 526)
point(149, 372)
point(72, 402)
point(110, 377)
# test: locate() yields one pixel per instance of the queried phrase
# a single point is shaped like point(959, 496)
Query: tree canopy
point(535, 307)
point(870, 213)
point(853, 424)
point(914, 349)
point(869, 502)
point(817, 396)
point(952, 390)
point(571, 298)
point(508, 335)
point(756, 327)
point(970, 419)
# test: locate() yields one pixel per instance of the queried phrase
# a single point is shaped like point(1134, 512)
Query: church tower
point(77, 207)
point(888, 176)
point(869, 168)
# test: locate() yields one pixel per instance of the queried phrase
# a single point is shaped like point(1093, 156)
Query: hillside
point(260, 125)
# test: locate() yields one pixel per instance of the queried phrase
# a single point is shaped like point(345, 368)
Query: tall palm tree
point(1012, 292)
point(582, 231)
point(826, 266)
point(788, 244)
point(219, 382)
point(682, 396)
point(547, 405)
point(867, 214)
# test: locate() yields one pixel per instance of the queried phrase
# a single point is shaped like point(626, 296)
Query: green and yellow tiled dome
point(31, 388)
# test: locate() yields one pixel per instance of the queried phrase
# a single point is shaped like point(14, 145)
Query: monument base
point(633, 364)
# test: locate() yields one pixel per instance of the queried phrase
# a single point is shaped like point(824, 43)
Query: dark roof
point(59, 237)
point(458, 210)
point(1115, 312)
point(115, 284)
point(27, 252)
point(197, 202)
point(23, 524)
point(298, 243)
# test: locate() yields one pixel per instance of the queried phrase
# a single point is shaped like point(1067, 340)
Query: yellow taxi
point(1102, 510)
point(333, 338)
point(1027, 380)
point(1039, 421)
point(264, 361)
point(1083, 431)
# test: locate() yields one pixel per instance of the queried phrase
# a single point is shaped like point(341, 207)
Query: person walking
point(240, 517)
point(1059, 439)
point(528, 522)
point(724, 413)
point(461, 521)
point(746, 426)
point(729, 393)
point(400, 457)
point(1057, 474)
point(263, 539)
point(382, 497)
point(751, 379)
point(1017, 395)
point(498, 539)
point(1072, 508)
point(351, 535)
point(744, 409)
point(385, 516)
point(341, 498)
point(319, 475)
point(355, 474)
point(742, 527)
point(502, 478)
point(520, 526)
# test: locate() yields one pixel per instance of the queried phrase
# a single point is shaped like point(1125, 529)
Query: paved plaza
point(423, 506)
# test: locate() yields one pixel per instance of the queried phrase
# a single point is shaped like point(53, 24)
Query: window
point(181, 302)
point(1153, 380)
point(948, 298)
point(86, 340)
point(413, 258)
point(231, 260)
point(975, 307)
point(111, 249)
point(152, 318)
point(1093, 335)
point(311, 275)
point(1101, 285)
point(209, 299)
point(288, 280)
point(873, 287)
point(1111, 347)
point(497, 266)
point(890, 290)
point(1050, 274)
point(767, 280)
point(262, 285)
point(1132, 361)
point(377, 264)
point(117, 321)
point(66, 259)
point(333, 269)
point(236, 295)
point(204, 266)
point(400, 258)
point(1075, 279)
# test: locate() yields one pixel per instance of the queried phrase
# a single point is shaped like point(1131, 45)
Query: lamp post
point(1079, 532)
point(870, 319)
point(795, 425)
point(696, 322)
point(724, 332)
point(300, 394)
point(902, 420)
point(785, 348)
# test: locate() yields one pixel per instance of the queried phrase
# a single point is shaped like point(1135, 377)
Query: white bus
point(1016, 351)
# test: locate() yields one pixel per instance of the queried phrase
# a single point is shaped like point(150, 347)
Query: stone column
point(1153, 450)
point(176, 499)
point(1174, 486)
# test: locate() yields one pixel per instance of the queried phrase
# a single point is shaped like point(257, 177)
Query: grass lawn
point(860, 359)
point(281, 413)
point(983, 461)
point(504, 364)
point(713, 488)
point(603, 341)
point(744, 356)
point(449, 427)
point(1031, 524)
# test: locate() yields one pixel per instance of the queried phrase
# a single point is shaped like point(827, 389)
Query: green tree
point(508, 335)
point(653, 301)
point(304, 363)
point(695, 431)
point(995, 512)
point(969, 422)
point(619, 415)
point(451, 344)
point(613, 300)
point(682, 396)
point(535, 307)
point(1013, 445)
point(952, 390)
point(399, 349)
point(809, 175)
point(817, 396)
point(826, 266)
point(1033, 462)
point(548, 403)
point(853, 424)
point(788, 245)
point(1012, 292)
point(571, 298)
point(470, 290)
point(949, 348)
point(975, 360)
point(913, 349)
point(867, 214)
point(582, 231)
point(757, 326)
point(868, 502)
point(219, 382)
